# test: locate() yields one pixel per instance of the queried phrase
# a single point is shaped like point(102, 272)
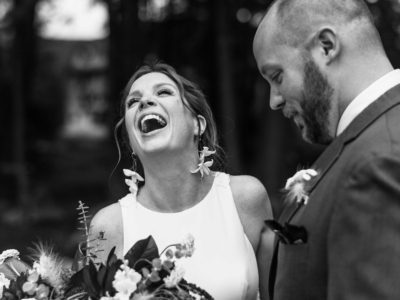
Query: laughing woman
point(172, 137)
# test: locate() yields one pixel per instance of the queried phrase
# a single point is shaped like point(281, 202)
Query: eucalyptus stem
point(166, 248)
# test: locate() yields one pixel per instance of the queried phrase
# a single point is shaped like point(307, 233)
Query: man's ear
point(328, 44)
point(200, 125)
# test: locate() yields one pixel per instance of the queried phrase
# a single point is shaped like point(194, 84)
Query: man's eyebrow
point(267, 67)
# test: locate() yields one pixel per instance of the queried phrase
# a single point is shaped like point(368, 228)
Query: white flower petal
point(138, 177)
point(8, 254)
point(174, 277)
point(312, 172)
point(128, 172)
point(195, 171)
point(208, 163)
point(133, 189)
point(295, 185)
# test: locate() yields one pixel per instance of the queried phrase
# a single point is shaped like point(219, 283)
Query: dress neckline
point(185, 211)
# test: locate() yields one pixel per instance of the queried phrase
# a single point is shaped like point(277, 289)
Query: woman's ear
point(200, 125)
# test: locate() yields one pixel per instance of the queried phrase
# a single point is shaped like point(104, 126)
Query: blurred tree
point(21, 63)
point(125, 44)
point(208, 41)
point(225, 84)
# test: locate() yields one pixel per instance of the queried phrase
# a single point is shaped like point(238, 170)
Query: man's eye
point(164, 92)
point(277, 77)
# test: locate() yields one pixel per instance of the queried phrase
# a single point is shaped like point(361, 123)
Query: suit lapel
point(322, 165)
point(388, 100)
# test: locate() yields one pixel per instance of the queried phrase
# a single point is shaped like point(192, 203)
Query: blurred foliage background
point(63, 64)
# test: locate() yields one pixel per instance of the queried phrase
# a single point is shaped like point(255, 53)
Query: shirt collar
point(366, 97)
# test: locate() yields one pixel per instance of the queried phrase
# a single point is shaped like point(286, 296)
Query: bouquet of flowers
point(142, 274)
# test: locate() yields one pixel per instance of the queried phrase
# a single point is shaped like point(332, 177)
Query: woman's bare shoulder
point(107, 224)
point(248, 191)
point(252, 204)
point(107, 218)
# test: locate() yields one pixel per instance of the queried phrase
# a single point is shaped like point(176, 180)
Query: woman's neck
point(169, 184)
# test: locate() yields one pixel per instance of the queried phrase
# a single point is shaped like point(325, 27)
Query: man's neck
point(361, 77)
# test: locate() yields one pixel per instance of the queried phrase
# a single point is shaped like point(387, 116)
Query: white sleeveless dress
point(223, 263)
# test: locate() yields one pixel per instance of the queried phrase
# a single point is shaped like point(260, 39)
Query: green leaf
point(111, 258)
point(109, 278)
point(144, 249)
point(79, 260)
point(90, 280)
point(101, 278)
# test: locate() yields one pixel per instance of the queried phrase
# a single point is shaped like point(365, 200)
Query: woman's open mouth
point(151, 122)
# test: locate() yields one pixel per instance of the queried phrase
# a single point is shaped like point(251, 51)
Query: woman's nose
point(146, 102)
point(276, 100)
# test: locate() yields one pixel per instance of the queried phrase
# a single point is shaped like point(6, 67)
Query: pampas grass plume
point(49, 266)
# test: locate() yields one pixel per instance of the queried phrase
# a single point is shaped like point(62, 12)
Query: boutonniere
point(296, 191)
point(296, 186)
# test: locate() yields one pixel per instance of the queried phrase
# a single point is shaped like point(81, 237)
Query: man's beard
point(316, 105)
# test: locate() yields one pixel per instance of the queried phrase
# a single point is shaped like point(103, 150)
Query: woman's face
point(156, 118)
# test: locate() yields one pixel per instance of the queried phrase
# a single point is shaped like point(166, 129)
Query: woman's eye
point(131, 101)
point(164, 92)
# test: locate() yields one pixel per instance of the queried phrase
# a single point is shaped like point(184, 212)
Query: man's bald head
point(299, 18)
point(318, 55)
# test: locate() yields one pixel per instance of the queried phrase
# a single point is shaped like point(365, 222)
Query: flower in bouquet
point(50, 267)
point(183, 249)
point(173, 279)
point(143, 274)
point(21, 281)
point(4, 283)
point(10, 253)
point(125, 281)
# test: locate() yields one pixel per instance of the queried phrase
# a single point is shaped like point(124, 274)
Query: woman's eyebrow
point(158, 85)
point(134, 93)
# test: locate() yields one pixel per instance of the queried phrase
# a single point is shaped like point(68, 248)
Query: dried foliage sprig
point(90, 246)
point(84, 220)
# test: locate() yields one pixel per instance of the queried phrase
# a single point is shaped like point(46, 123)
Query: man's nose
point(146, 102)
point(275, 99)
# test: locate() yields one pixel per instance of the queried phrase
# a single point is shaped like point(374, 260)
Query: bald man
point(329, 73)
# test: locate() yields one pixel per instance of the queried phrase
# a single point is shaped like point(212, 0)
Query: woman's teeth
point(152, 122)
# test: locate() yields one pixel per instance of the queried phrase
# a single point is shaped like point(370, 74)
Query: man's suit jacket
point(352, 216)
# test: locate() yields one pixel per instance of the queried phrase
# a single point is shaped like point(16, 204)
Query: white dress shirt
point(366, 97)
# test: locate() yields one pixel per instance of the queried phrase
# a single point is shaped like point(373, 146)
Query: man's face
point(298, 87)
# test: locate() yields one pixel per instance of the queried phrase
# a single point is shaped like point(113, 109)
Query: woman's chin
point(154, 148)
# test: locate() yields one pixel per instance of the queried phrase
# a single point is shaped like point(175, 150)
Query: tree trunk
point(23, 54)
point(225, 83)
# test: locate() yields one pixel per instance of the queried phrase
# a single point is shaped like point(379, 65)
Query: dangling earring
point(134, 177)
point(204, 166)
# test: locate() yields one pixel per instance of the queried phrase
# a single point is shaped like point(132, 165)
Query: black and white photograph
point(200, 149)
